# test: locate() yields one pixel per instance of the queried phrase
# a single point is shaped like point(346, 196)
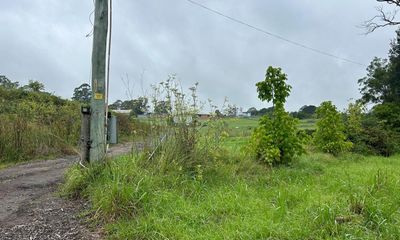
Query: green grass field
point(317, 197)
point(245, 126)
point(240, 129)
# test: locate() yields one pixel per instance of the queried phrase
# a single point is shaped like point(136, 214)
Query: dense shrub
point(277, 140)
point(36, 124)
point(380, 87)
point(369, 133)
point(329, 136)
point(389, 115)
point(377, 139)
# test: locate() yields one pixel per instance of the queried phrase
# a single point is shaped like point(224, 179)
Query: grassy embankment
point(317, 197)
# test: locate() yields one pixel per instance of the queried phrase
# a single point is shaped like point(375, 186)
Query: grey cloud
point(45, 40)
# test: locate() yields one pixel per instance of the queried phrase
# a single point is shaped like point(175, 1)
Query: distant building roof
point(122, 111)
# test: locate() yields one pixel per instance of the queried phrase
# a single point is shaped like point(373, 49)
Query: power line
point(273, 34)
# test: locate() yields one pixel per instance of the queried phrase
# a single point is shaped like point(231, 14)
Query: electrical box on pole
point(112, 132)
point(85, 133)
point(99, 94)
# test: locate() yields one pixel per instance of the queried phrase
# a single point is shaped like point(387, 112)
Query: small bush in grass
point(277, 139)
point(329, 136)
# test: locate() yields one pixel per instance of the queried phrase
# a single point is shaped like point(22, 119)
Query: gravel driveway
point(30, 208)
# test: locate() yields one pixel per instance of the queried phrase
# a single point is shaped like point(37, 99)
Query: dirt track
point(30, 208)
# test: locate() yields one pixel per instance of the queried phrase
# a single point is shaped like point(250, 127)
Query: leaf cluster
point(274, 88)
point(277, 139)
point(329, 136)
point(382, 85)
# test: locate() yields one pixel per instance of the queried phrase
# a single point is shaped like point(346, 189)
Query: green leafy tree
point(34, 86)
point(305, 112)
point(329, 136)
point(277, 139)
point(83, 93)
point(266, 111)
point(308, 109)
point(139, 106)
point(381, 87)
point(7, 83)
point(274, 88)
point(218, 113)
point(127, 105)
point(117, 105)
point(389, 115)
point(252, 111)
point(374, 87)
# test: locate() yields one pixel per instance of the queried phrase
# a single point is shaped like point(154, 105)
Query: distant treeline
point(305, 112)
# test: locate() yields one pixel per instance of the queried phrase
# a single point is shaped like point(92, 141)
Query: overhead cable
point(274, 35)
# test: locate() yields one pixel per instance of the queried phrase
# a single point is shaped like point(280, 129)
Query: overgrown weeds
point(316, 198)
point(175, 139)
point(36, 124)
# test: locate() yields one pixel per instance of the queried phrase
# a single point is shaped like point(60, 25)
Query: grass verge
point(317, 197)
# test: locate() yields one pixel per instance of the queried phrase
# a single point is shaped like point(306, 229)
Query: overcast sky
point(45, 40)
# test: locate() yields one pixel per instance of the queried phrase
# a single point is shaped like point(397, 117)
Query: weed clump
point(180, 140)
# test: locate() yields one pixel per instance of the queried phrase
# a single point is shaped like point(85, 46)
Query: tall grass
point(318, 197)
point(36, 124)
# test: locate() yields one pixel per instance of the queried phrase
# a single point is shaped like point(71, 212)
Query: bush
point(276, 140)
point(389, 115)
point(369, 133)
point(329, 136)
point(377, 139)
point(36, 124)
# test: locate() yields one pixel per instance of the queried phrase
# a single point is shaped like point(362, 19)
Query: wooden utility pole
point(99, 63)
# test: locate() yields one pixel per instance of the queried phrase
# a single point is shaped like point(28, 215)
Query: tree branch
point(383, 18)
point(394, 2)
